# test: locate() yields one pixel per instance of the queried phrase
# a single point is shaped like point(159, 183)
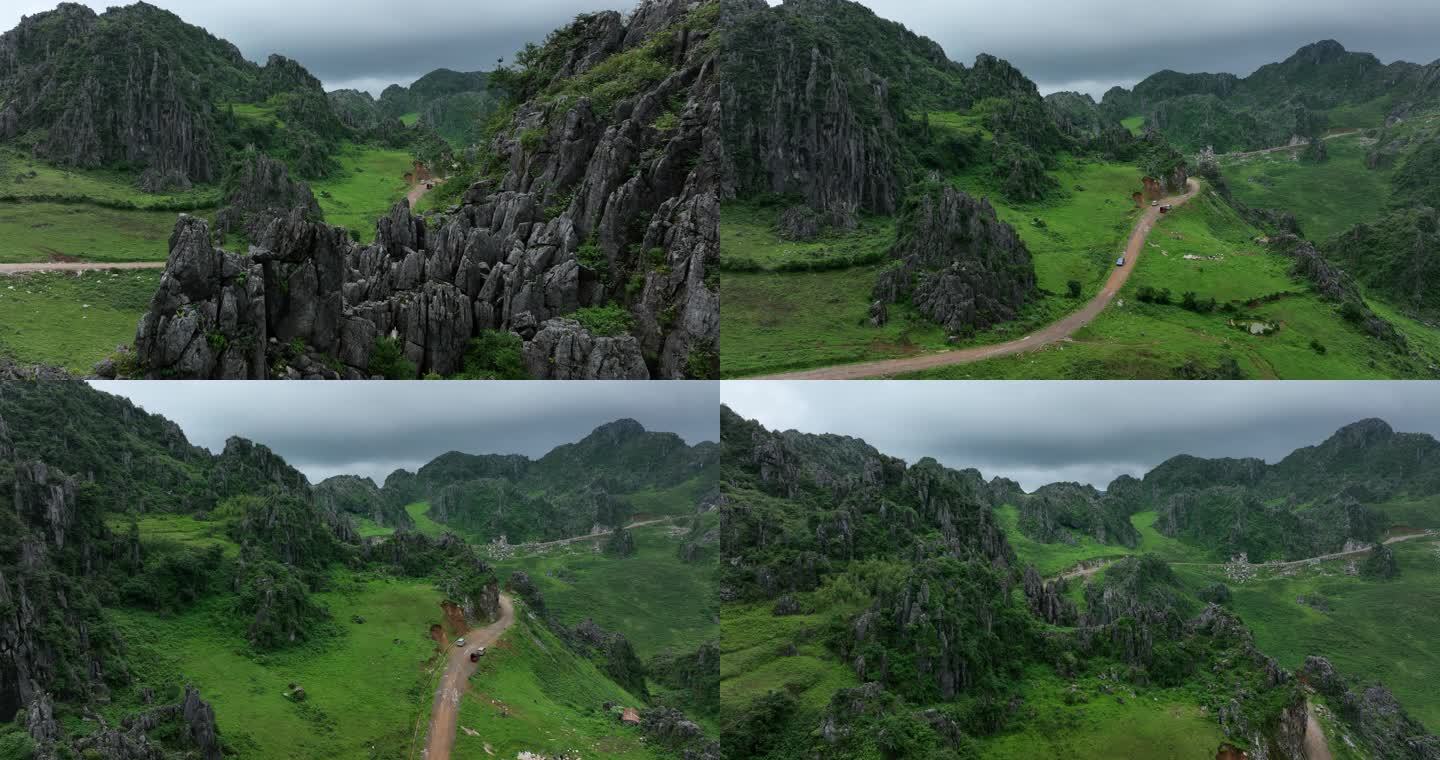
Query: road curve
point(1048, 335)
point(440, 738)
point(78, 266)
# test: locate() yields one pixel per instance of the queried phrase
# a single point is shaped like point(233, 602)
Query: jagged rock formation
point(1395, 256)
point(1059, 512)
point(259, 189)
point(1372, 713)
point(957, 262)
point(826, 101)
point(139, 88)
point(1047, 600)
point(841, 162)
point(360, 497)
point(307, 301)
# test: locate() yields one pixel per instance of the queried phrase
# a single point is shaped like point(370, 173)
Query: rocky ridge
point(307, 301)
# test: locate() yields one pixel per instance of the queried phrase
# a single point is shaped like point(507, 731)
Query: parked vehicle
point(1120, 262)
point(460, 642)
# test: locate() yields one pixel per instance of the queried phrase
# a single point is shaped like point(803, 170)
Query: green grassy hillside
point(658, 601)
point(1327, 198)
point(531, 694)
point(71, 320)
point(789, 320)
point(1382, 629)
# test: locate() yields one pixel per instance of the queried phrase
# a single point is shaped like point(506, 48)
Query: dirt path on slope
point(1084, 572)
point(78, 266)
point(1048, 335)
point(440, 738)
point(1316, 748)
point(419, 191)
point(575, 539)
point(1278, 148)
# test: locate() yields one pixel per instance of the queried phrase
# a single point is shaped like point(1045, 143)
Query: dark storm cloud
point(367, 44)
point(1040, 433)
point(371, 429)
point(1093, 44)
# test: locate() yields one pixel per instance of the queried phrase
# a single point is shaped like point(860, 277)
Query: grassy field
point(753, 661)
point(71, 320)
point(1327, 198)
point(371, 180)
point(1154, 723)
point(1051, 559)
point(365, 686)
point(23, 177)
point(420, 513)
point(178, 529)
point(748, 241)
point(652, 597)
point(1375, 630)
point(677, 501)
point(38, 232)
point(1136, 125)
point(783, 320)
point(531, 694)
point(1134, 340)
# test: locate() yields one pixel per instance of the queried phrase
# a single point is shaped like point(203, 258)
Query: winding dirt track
point(419, 191)
point(440, 739)
point(77, 266)
point(602, 534)
point(1082, 572)
point(1051, 334)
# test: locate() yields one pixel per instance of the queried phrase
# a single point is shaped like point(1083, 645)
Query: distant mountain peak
point(1324, 51)
point(617, 431)
point(1362, 433)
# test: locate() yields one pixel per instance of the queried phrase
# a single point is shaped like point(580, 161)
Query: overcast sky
point(1061, 44)
point(1091, 45)
point(372, 429)
point(1045, 432)
point(366, 44)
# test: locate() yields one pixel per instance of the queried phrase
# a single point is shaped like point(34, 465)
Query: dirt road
point(1052, 333)
point(419, 191)
point(1278, 148)
point(1083, 572)
point(77, 266)
point(440, 738)
point(564, 541)
point(1316, 747)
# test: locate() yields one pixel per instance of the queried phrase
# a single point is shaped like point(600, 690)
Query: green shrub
point(495, 355)
point(388, 361)
point(609, 321)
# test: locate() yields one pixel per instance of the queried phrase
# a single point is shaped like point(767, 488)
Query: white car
point(460, 642)
point(1154, 203)
point(1120, 262)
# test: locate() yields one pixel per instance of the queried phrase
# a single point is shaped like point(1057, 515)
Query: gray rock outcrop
point(306, 301)
point(957, 262)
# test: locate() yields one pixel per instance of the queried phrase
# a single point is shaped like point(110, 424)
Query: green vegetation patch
point(531, 693)
point(1097, 726)
point(1327, 197)
point(72, 319)
point(370, 181)
point(655, 599)
point(748, 242)
point(365, 687)
point(45, 232)
point(1378, 630)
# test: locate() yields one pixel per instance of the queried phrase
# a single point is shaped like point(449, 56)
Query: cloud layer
point(1044, 432)
point(372, 429)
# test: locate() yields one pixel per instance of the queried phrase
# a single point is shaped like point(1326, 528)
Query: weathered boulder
point(565, 350)
point(957, 262)
point(257, 189)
